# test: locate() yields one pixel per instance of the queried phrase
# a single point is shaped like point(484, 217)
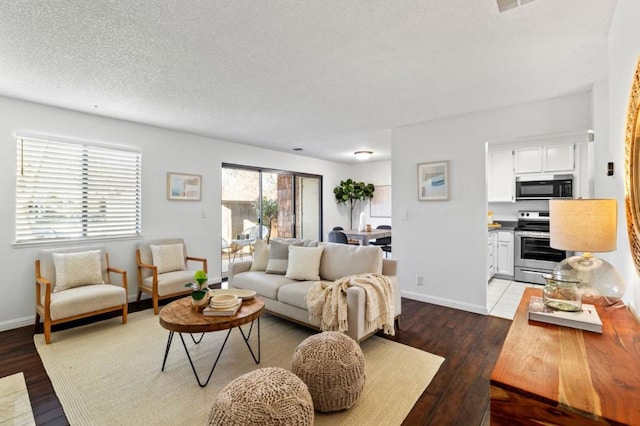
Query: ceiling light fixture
point(363, 155)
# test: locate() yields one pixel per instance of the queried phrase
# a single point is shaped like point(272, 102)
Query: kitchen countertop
point(504, 225)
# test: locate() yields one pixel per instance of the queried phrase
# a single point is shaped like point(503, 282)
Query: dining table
point(365, 236)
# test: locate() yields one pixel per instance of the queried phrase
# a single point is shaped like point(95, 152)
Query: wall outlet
point(419, 280)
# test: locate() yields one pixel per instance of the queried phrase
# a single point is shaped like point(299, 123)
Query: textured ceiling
point(331, 76)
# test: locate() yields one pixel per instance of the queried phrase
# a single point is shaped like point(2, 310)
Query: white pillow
point(304, 263)
point(261, 252)
point(77, 269)
point(168, 257)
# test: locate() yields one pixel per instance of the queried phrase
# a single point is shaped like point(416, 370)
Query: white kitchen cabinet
point(491, 254)
point(500, 177)
point(504, 253)
point(528, 160)
point(544, 159)
point(558, 158)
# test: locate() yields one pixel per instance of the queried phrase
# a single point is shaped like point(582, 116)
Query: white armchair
point(73, 283)
point(162, 269)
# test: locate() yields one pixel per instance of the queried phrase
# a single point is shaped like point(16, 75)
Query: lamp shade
point(585, 225)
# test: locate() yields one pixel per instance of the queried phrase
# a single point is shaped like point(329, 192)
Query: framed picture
point(184, 187)
point(433, 181)
point(380, 204)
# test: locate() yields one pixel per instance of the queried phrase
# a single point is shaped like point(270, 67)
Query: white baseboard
point(17, 323)
point(477, 309)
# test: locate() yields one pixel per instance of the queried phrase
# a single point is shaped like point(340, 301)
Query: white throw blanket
point(327, 303)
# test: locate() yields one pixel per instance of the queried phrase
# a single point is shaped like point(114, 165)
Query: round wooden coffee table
point(179, 317)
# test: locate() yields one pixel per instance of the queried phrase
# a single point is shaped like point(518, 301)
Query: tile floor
point(503, 297)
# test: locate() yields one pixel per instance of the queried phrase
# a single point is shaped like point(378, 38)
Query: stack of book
point(587, 319)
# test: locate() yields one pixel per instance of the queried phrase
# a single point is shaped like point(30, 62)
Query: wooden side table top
point(590, 373)
point(179, 316)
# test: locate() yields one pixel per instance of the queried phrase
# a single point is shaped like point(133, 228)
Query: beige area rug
point(15, 406)
point(109, 374)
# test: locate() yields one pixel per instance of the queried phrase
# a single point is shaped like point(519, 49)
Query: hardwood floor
point(458, 394)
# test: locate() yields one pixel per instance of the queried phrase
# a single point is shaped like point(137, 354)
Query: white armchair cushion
point(304, 263)
point(168, 257)
point(80, 300)
point(77, 269)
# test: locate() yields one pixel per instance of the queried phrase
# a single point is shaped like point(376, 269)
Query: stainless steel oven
point(533, 254)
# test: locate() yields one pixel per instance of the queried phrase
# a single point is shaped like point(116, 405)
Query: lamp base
point(598, 281)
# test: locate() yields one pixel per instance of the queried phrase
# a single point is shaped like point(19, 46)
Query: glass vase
point(561, 293)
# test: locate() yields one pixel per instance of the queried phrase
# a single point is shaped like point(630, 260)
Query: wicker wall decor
point(632, 169)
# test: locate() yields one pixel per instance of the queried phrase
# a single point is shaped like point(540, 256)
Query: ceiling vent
point(504, 5)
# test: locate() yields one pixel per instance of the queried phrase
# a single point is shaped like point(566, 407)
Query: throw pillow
point(279, 257)
point(168, 257)
point(77, 269)
point(304, 263)
point(261, 252)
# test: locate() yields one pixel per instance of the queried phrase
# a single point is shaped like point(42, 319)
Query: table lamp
point(587, 226)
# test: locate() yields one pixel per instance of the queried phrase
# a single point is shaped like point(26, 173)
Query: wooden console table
point(547, 374)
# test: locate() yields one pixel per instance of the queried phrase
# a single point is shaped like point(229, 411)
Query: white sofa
point(286, 297)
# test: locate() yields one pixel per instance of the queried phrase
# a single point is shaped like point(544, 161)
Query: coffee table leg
point(194, 339)
point(166, 351)
point(248, 336)
point(214, 364)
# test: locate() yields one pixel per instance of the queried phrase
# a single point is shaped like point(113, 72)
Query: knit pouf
point(267, 396)
point(332, 366)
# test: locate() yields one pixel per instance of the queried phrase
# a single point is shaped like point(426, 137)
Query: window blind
point(76, 191)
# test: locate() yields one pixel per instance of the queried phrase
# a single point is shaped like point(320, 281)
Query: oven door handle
point(526, 271)
point(530, 234)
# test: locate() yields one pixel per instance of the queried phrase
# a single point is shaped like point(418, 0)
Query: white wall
point(624, 51)
point(162, 151)
point(446, 241)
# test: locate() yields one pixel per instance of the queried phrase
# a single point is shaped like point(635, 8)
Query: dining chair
point(385, 242)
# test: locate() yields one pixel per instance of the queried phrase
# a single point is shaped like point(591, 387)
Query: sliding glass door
point(264, 204)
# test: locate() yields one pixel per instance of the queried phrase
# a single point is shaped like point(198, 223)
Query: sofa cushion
point(295, 294)
point(266, 285)
point(304, 263)
point(340, 260)
point(168, 257)
point(279, 256)
point(77, 269)
point(261, 252)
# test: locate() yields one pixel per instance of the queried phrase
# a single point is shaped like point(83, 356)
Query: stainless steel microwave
point(544, 188)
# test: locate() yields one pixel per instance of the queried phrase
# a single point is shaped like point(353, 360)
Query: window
point(75, 190)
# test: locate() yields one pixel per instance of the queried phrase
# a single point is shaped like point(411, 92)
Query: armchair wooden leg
point(125, 310)
point(47, 331)
point(156, 309)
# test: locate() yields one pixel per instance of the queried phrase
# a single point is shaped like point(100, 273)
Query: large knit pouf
point(332, 366)
point(267, 396)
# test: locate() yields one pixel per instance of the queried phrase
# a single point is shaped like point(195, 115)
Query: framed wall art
point(433, 181)
point(380, 204)
point(184, 187)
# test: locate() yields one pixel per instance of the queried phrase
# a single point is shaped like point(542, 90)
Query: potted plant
point(352, 192)
point(200, 292)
